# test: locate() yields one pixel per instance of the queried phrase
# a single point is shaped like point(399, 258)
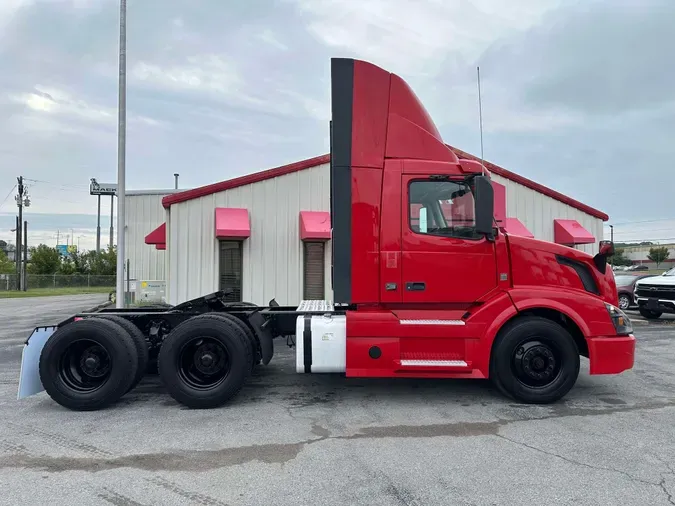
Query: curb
point(96, 309)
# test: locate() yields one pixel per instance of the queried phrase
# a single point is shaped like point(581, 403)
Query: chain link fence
point(45, 281)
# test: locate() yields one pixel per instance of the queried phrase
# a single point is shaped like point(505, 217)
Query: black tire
point(205, 385)
point(534, 361)
point(257, 358)
point(625, 301)
point(650, 315)
point(62, 367)
point(139, 340)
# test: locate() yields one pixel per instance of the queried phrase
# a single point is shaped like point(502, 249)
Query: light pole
point(121, 154)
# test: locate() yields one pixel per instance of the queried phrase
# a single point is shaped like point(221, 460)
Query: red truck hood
point(536, 262)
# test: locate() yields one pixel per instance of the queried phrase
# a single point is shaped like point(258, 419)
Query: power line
point(652, 230)
point(8, 195)
point(647, 240)
point(637, 222)
point(70, 187)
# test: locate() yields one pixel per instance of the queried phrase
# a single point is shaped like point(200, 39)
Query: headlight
point(622, 323)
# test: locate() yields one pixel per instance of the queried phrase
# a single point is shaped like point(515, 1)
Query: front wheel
point(624, 301)
point(650, 315)
point(534, 360)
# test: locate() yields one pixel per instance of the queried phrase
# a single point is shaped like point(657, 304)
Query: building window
point(314, 270)
point(442, 208)
point(231, 269)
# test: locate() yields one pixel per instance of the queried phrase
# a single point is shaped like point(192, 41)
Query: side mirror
point(485, 204)
point(606, 248)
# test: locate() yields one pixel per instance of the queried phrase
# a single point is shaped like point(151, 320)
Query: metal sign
point(96, 188)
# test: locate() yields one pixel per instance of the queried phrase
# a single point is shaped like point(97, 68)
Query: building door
point(231, 269)
point(314, 269)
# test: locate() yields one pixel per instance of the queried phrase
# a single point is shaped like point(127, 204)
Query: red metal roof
point(571, 232)
point(232, 223)
point(256, 177)
point(314, 225)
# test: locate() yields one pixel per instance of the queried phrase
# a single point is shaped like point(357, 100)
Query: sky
point(576, 95)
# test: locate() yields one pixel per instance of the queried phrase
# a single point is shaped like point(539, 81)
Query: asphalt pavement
point(291, 439)
point(18, 317)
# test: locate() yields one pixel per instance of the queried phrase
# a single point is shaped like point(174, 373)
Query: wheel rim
point(536, 363)
point(203, 363)
point(624, 302)
point(85, 366)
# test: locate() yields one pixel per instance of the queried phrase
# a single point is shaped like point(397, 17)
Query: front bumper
point(658, 305)
point(611, 354)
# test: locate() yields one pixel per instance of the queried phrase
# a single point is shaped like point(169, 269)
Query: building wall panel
point(144, 213)
point(537, 212)
point(272, 260)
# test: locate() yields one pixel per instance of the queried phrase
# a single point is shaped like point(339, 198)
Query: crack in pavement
point(280, 453)
point(661, 484)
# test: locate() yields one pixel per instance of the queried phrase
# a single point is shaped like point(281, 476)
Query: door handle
point(415, 286)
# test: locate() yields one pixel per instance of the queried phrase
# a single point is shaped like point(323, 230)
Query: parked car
point(625, 286)
point(655, 295)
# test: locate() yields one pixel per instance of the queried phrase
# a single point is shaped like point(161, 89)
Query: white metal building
point(144, 211)
point(267, 235)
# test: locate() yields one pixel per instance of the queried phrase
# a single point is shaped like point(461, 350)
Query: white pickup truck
point(655, 295)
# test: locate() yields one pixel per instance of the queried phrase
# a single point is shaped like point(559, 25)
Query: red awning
point(157, 236)
point(160, 246)
point(232, 223)
point(570, 232)
point(314, 225)
point(514, 226)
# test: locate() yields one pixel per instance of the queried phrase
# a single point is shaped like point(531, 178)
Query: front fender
point(587, 312)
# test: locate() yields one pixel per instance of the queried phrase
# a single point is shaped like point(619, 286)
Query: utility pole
point(121, 155)
point(98, 227)
point(17, 253)
point(24, 281)
point(611, 233)
point(112, 206)
point(22, 201)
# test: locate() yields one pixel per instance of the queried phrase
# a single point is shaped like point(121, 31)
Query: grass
point(51, 292)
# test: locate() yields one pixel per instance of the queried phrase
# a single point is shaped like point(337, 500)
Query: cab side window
point(442, 208)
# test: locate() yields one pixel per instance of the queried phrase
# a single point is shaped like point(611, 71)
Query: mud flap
point(29, 377)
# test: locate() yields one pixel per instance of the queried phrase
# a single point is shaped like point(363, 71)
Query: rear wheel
point(205, 361)
point(139, 341)
point(650, 315)
point(534, 360)
point(248, 333)
point(88, 364)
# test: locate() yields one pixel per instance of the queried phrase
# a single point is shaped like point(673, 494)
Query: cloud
point(576, 95)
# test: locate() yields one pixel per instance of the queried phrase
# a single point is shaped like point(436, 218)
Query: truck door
point(444, 260)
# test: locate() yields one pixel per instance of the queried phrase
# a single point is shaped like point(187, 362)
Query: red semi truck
point(425, 286)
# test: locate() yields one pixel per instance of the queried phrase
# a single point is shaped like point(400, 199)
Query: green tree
point(6, 265)
point(619, 257)
point(658, 255)
point(44, 260)
point(67, 267)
